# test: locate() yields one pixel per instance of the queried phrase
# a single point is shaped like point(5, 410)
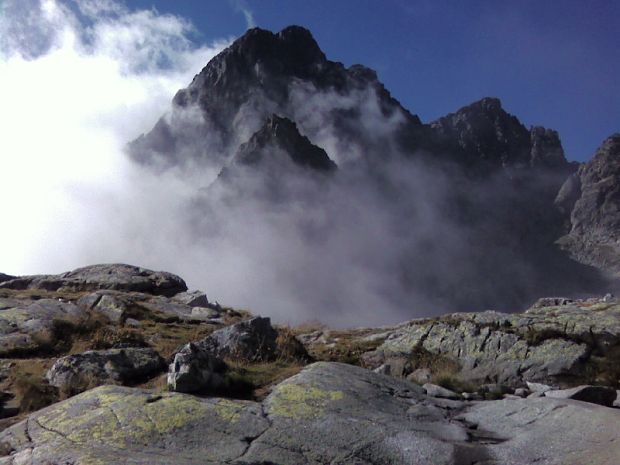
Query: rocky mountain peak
point(485, 132)
point(488, 136)
point(283, 134)
point(606, 160)
point(547, 150)
point(253, 57)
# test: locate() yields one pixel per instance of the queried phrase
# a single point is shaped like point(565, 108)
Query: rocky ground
point(119, 364)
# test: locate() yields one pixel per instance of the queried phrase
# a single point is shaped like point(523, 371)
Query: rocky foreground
point(117, 364)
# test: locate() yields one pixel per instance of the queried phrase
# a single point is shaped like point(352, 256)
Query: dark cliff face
point(277, 164)
point(592, 196)
point(467, 208)
point(483, 137)
point(282, 133)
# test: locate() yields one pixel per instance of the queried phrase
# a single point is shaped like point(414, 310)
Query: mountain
point(461, 213)
point(261, 74)
point(592, 198)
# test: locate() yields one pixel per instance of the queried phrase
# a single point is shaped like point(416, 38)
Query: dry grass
point(437, 364)
point(451, 380)
point(347, 347)
point(33, 393)
point(308, 327)
point(255, 380)
point(167, 338)
point(36, 294)
point(113, 336)
point(85, 382)
point(289, 349)
point(27, 382)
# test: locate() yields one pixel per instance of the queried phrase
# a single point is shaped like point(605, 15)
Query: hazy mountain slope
point(457, 214)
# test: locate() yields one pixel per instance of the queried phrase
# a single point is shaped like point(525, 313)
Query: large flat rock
point(119, 277)
point(329, 413)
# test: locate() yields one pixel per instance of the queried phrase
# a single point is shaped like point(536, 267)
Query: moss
point(297, 401)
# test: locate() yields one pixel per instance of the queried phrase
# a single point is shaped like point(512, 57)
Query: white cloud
point(72, 95)
point(242, 7)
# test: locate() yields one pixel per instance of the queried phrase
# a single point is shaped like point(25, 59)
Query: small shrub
point(437, 364)
point(109, 337)
point(452, 381)
point(289, 349)
point(85, 382)
point(34, 394)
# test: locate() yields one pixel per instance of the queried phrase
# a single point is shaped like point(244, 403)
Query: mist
point(380, 241)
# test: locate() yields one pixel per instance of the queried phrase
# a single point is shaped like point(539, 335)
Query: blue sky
point(555, 64)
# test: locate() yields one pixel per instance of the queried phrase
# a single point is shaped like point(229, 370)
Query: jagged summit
point(267, 60)
point(259, 74)
point(283, 133)
point(486, 135)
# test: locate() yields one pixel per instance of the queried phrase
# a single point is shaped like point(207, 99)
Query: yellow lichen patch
point(119, 418)
point(175, 411)
point(298, 401)
point(93, 460)
point(228, 410)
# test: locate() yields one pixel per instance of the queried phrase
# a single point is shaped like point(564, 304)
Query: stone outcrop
point(252, 340)
point(29, 326)
point(118, 277)
point(119, 306)
point(192, 299)
point(602, 395)
point(572, 343)
point(199, 366)
point(76, 373)
point(195, 370)
point(328, 413)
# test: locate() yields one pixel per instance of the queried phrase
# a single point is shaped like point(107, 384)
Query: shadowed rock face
point(483, 136)
point(329, 413)
point(592, 197)
point(282, 133)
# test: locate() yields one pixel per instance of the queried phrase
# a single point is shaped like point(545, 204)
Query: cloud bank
point(80, 79)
